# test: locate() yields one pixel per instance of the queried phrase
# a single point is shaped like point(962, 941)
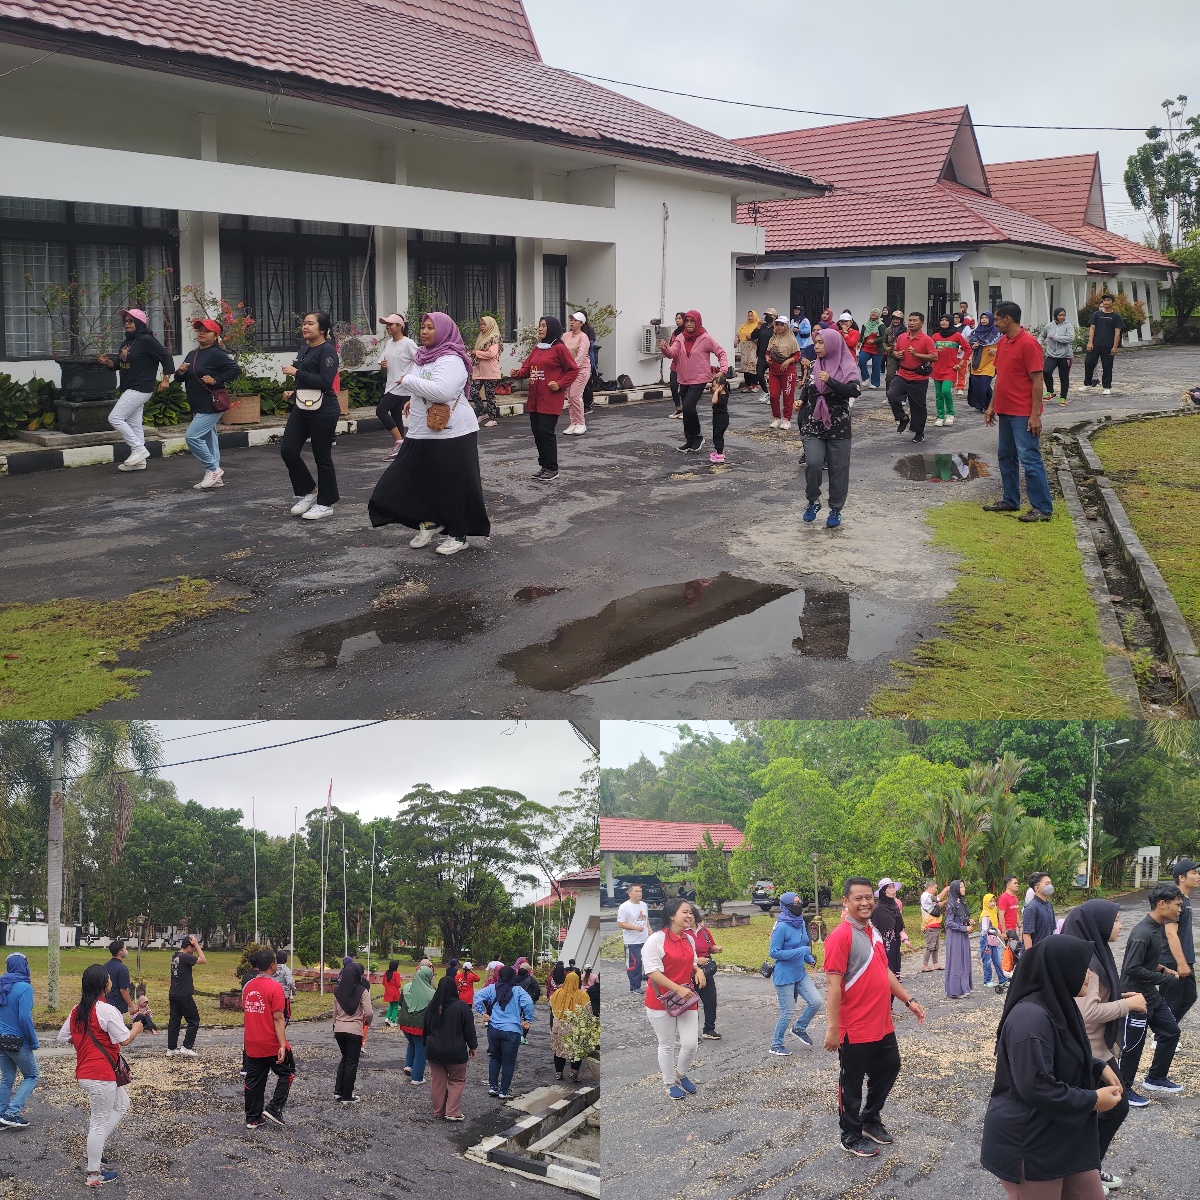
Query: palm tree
point(1180, 739)
point(36, 755)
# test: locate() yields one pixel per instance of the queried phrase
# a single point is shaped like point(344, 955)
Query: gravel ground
point(185, 1136)
point(766, 1127)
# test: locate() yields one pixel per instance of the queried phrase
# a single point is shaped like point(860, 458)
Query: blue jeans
point(12, 1103)
point(876, 361)
point(1019, 448)
point(415, 1056)
point(502, 1058)
point(990, 956)
point(633, 966)
point(201, 437)
point(787, 993)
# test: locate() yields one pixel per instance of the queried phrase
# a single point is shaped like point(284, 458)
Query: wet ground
point(766, 1127)
point(643, 583)
point(185, 1136)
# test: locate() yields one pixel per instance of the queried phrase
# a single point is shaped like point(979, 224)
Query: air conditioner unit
point(754, 276)
point(648, 342)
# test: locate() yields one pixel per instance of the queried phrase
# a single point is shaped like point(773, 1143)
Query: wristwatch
point(908, 1003)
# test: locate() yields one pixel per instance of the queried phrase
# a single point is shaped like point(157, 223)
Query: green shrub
point(365, 387)
point(1131, 312)
point(17, 407)
point(244, 965)
point(167, 408)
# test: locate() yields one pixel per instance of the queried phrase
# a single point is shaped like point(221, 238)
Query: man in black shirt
point(1038, 923)
point(1141, 971)
point(1104, 340)
point(182, 998)
point(119, 994)
point(1179, 951)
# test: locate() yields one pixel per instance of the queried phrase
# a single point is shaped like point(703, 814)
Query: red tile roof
point(623, 835)
point(1121, 250)
point(1055, 190)
point(451, 76)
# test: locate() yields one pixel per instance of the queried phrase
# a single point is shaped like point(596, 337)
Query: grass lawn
point(1022, 639)
point(216, 976)
point(59, 655)
point(1155, 468)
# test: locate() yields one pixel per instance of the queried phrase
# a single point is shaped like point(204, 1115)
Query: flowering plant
point(85, 319)
point(581, 1034)
point(237, 335)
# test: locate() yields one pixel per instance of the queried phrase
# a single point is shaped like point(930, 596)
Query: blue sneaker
point(687, 1085)
point(101, 1178)
point(780, 1051)
point(800, 1033)
point(1136, 1099)
point(676, 1092)
point(810, 513)
point(1161, 1085)
point(834, 519)
point(14, 1122)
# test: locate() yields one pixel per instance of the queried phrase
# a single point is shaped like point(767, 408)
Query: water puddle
point(942, 468)
point(453, 618)
point(528, 594)
point(678, 634)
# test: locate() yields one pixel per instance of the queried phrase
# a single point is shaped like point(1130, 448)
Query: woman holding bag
point(989, 943)
point(205, 371)
point(674, 975)
point(18, 1041)
point(551, 371)
point(314, 418)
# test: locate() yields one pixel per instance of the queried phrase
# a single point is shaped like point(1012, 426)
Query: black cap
point(1183, 866)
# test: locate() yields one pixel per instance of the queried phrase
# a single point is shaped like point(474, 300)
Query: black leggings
point(320, 428)
point(350, 1044)
point(1063, 366)
point(675, 390)
point(560, 1063)
point(689, 397)
point(720, 423)
point(390, 410)
point(543, 426)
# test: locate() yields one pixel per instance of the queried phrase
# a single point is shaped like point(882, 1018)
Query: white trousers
point(109, 1104)
point(126, 417)
point(666, 1028)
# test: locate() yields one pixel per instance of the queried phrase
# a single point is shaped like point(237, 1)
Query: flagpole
point(345, 900)
point(292, 935)
point(324, 877)
point(371, 905)
point(254, 842)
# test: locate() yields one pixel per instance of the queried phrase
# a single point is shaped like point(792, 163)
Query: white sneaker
point(569, 429)
point(211, 479)
point(303, 504)
point(1106, 391)
point(317, 511)
point(451, 545)
point(172, 1053)
point(136, 460)
point(581, 429)
point(424, 535)
point(950, 419)
point(940, 421)
point(186, 1053)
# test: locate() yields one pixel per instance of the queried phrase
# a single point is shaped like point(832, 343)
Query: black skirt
point(435, 481)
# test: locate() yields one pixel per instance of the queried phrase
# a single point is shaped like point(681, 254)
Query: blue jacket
point(791, 949)
point(509, 1018)
point(16, 1015)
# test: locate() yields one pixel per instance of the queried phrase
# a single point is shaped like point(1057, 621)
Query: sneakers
point(1106, 391)
point(17, 1122)
point(317, 511)
point(803, 1036)
point(1136, 1099)
point(810, 513)
point(276, 1118)
point(210, 479)
point(100, 1179)
point(696, 448)
point(351, 1100)
point(777, 424)
point(716, 457)
point(1161, 1085)
point(676, 1092)
point(877, 1133)
point(451, 545)
point(1034, 515)
point(303, 504)
point(136, 460)
point(455, 1118)
point(172, 1053)
point(255, 1123)
point(859, 1147)
point(1112, 1181)
point(546, 476)
point(504, 1095)
point(424, 535)
point(950, 419)
point(683, 449)
point(395, 448)
point(184, 1052)
point(494, 1092)
point(919, 438)
point(903, 425)
point(687, 1085)
point(834, 520)
point(940, 422)
point(780, 1051)
point(1050, 396)
point(418, 1082)
point(711, 1035)
point(1000, 506)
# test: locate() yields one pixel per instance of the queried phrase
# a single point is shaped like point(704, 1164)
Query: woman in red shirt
point(465, 980)
point(550, 370)
point(669, 961)
point(950, 347)
point(97, 1031)
point(391, 992)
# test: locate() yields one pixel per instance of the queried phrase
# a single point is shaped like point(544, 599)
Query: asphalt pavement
point(766, 1127)
point(643, 583)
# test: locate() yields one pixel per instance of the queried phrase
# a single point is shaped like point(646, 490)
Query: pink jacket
point(695, 367)
point(487, 364)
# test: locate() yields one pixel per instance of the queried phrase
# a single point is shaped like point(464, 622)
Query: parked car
point(764, 895)
point(654, 895)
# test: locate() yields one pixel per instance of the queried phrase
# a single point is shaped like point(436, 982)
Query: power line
point(812, 112)
point(183, 737)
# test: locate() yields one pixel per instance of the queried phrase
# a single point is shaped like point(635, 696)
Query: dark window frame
point(459, 255)
point(559, 263)
point(896, 283)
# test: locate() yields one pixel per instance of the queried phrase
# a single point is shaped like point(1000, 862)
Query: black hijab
point(1051, 975)
point(559, 974)
point(956, 904)
point(444, 995)
point(350, 987)
point(504, 986)
point(1093, 922)
point(393, 966)
point(887, 914)
point(554, 330)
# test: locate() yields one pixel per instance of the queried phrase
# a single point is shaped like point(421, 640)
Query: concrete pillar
point(391, 243)
point(965, 279)
point(1006, 284)
point(1039, 301)
point(1145, 290)
point(1017, 290)
point(1071, 298)
point(529, 280)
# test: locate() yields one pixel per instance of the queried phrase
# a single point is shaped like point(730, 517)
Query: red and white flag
point(329, 802)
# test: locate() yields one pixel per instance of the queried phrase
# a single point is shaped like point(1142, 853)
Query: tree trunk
point(54, 873)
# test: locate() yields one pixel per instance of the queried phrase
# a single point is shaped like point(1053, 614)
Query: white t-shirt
point(399, 358)
point(109, 1019)
point(441, 381)
point(632, 913)
point(928, 900)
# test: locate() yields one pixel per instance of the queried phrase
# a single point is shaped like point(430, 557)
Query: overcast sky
point(624, 742)
point(1027, 62)
point(371, 768)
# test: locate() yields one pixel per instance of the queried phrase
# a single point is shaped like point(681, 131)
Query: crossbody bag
point(675, 1005)
point(121, 1072)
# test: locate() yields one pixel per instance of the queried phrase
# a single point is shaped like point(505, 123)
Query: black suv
point(654, 895)
point(766, 895)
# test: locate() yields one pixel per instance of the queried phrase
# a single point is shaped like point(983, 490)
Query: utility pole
point(54, 867)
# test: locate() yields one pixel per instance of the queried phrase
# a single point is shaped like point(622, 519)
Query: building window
point(47, 243)
point(281, 269)
point(895, 292)
point(938, 302)
point(466, 274)
point(995, 296)
point(554, 287)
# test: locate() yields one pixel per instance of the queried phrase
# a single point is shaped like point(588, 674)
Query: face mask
point(1048, 890)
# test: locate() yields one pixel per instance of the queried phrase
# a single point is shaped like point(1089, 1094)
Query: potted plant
point(237, 337)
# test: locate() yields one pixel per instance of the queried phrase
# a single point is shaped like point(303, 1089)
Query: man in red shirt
point(1017, 401)
point(265, 1041)
point(915, 350)
point(859, 1025)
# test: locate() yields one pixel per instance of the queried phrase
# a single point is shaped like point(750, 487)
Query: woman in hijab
point(1103, 1005)
point(569, 999)
point(526, 980)
point(825, 424)
point(486, 372)
point(508, 1014)
point(1039, 1133)
point(870, 352)
point(961, 324)
point(889, 920)
point(551, 371)
point(691, 352)
point(1059, 339)
point(433, 484)
point(391, 992)
point(827, 321)
point(982, 340)
point(958, 926)
point(989, 942)
point(802, 328)
point(748, 351)
point(352, 1011)
point(449, 1041)
point(16, 1026)
point(414, 1000)
point(783, 353)
point(137, 365)
point(557, 978)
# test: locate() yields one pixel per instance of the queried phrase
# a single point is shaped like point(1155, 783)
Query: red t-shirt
point(907, 345)
point(465, 981)
point(1017, 359)
point(679, 961)
point(1007, 904)
point(262, 998)
point(949, 347)
point(851, 338)
point(865, 1014)
point(391, 988)
point(542, 368)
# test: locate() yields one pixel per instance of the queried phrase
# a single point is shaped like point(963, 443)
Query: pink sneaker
point(714, 457)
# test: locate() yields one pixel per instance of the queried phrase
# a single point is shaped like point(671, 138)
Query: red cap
point(210, 325)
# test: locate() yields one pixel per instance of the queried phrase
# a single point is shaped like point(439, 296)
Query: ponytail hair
point(95, 984)
point(324, 324)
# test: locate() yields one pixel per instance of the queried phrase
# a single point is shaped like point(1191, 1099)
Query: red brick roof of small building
point(466, 63)
point(1055, 190)
point(1121, 250)
point(626, 835)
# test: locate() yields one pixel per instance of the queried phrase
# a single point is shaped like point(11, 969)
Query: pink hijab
point(449, 341)
point(838, 364)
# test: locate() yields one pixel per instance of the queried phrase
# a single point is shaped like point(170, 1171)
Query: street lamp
point(816, 895)
point(1092, 802)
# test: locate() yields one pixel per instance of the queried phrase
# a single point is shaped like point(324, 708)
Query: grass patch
point(1155, 468)
point(1022, 640)
point(59, 656)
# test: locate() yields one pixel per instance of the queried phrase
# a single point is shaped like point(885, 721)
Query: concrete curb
point(1172, 629)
